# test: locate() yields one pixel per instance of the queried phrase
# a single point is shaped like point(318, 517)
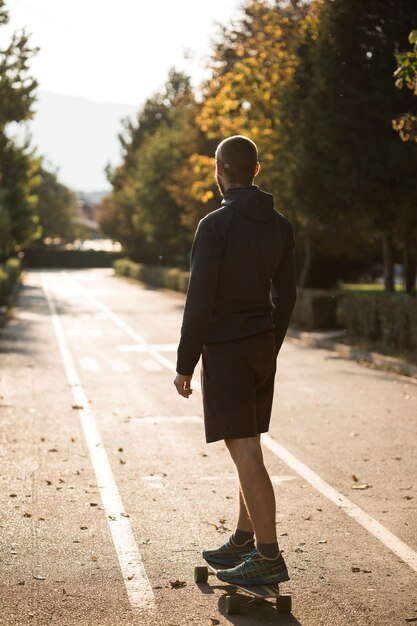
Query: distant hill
point(79, 137)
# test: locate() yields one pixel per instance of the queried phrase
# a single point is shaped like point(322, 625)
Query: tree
point(56, 207)
point(144, 207)
point(406, 75)
point(351, 172)
point(18, 220)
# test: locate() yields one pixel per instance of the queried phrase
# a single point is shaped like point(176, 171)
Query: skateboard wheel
point(232, 605)
point(284, 604)
point(200, 574)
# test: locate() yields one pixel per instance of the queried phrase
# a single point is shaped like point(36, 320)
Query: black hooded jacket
point(242, 279)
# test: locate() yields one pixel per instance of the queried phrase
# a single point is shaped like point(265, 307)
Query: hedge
point(315, 309)
point(167, 277)
point(389, 319)
point(9, 275)
point(40, 257)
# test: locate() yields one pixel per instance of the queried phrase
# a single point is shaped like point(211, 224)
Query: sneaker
point(256, 569)
point(229, 554)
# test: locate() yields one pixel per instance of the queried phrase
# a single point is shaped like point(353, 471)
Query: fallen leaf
point(112, 517)
point(93, 504)
point(355, 570)
point(21, 582)
point(361, 487)
point(120, 449)
point(130, 577)
point(27, 515)
point(125, 514)
point(52, 450)
point(48, 482)
point(83, 527)
point(322, 541)
point(13, 495)
point(38, 577)
point(77, 406)
point(94, 558)
point(122, 462)
point(176, 584)
point(355, 478)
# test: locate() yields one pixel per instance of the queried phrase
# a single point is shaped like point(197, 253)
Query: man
point(240, 297)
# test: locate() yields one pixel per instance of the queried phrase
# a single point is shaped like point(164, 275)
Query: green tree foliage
point(144, 211)
point(406, 75)
point(56, 206)
point(349, 172)
point(18, 220)
point(311, 83)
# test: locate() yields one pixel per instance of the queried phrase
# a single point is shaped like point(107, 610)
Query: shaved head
point(239, 156)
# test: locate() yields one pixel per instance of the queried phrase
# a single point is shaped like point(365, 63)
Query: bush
point(45, 257)
point(9, 275)
point(156, 276)
point(390, 318)
point(315, 308)
point(361, 314)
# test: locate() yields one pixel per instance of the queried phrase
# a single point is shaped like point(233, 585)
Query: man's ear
point(257, 169)
point(219, 168)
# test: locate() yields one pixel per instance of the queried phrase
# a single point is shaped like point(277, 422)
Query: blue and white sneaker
point(256, 569)
point(229, 554)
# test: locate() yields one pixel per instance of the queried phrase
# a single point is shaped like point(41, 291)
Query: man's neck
point(228, 186)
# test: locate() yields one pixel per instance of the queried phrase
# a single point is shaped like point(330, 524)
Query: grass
point(366, 288)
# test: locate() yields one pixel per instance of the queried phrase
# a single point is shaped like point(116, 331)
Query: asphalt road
point(109, 491)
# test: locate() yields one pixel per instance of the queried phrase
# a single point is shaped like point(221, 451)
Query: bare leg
point(256, 487)
point(244, 521)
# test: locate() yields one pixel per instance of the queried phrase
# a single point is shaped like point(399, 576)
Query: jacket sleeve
point(205, 263)
point(284, 289)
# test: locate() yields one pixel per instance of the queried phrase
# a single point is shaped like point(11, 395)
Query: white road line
point(150, 347)
point(386, 537)
point(137, 584)
point(379, 531)
point(150, 365)
point(119, 366)
point(88, 364)
point(162, 419)
point(276, 480)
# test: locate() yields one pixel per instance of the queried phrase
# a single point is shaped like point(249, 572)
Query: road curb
point(379, 361)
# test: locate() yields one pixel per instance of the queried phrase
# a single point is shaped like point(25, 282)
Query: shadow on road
point(264, 613)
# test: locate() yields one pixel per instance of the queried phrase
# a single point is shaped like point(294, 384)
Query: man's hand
point(183, 385)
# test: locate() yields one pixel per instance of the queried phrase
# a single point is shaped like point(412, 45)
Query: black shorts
point(238, 386)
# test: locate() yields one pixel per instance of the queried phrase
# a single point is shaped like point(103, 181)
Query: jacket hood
point(251, 202)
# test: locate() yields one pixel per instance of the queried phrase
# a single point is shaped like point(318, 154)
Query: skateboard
point(257, 593)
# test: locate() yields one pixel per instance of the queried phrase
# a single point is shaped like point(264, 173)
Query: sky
point(103, 51)
point(117, 51)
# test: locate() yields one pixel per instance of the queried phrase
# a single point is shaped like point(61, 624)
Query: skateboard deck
point(257, 593)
